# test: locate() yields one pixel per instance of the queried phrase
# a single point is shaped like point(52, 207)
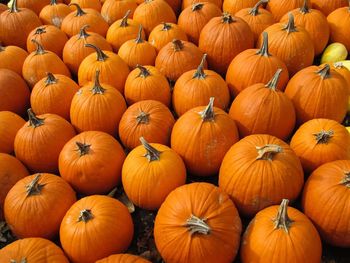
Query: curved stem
point(282, 221)
point(142, 118)
point(34, 188)
point(267, 151)
point(14, 8)
point(227, 18)
point(208, 113)
point(305, 8)
point(139, 39)
point(152, 153)
point(166, 26)
point(40, 30)
point(100, 55)
point(34, 120)
point(83, 148)
point(39, 48)
point(197, 226)
point(346, 179)
point(197, 6)
point(290, 26)
point(177, 45)
point(50, 80)
point(324, 72)
point(80, 11)
point(264, 50)
point(97, 88)
point(83, 33)
point(144, 72)
point(85, 215)
point(323, 136)
point(53, 2)
point(124, 22)
point(273, 82)
point(255, 10)
point(199, 74)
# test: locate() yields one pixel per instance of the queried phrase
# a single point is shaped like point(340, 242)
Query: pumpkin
point(195, 87)
point(314, 22)
point(315, 91)
point(178, 57)
point(223, 38)
point(109, 102)
point(187, 3)
point(50, 37)
point(14, 92)
point(279, 8)
point(54, 13)
point(257, 18)
point(10, 123)
point(272, 234)
point(93, 4)
point(138, 51)
point(108, 64)
point(254, 66)
point(16, 24)
point(327, 7)
point(291, 44)
point(74, 51)
point(41, 61)
point(165, 33)
point(94, 218)
point(342, 70)
point(326, 193)
point(150, 172)
point(3, 8)
point(123, 30)
point(254, 161)
point(12, 58)
point(197, 223)
point(339, 20)
point(320, 141)
point(153, 12)
point(113, 10)
point(50, 90)
point(123, 258)
point(91, 162)
point(147, 83)
point(11, 171)
point(34, 5)
point(30, 203)
point(148, 118)
point(233, 6)
point(39, 142)
point(202, 136)
point(73, 22)
point(36, 249)
point(271, 113)
point(193, 18)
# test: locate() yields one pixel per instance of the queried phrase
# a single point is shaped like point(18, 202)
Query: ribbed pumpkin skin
point(205, 201)
point(263, 243)
point(10, 123)
point(233, 6)
point(313, 154)
point(156, 128)
point(34, 5)
point(326, 194)
point(54, 14)
point(244, 177)
point(38, 214)
point(342, 70)
point(327, 7)
point(123, 258)
point(279, 8)
point(94, 4)
point(36, 250)
point(3, 8)
point(96, 171)
point(113, 10)
point(12, 58)
point(187, 3)
point(111, 225)
point(339, 22)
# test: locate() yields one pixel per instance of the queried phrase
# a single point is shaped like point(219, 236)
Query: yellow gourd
point(334, 52)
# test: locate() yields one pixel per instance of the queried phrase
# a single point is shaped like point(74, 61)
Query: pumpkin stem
point(323, 136)
point(39, 48)
point(53, 2)
point(290, 26)
point(337, 65)
point(197, 6)
point(80, 11)
point(139, 39)
point(227, 18)
point(85, 215)
point(100, 55)
point(166, 26)
point(264, 50)
point(197, 226)
point(267, 151)
point(346, 179)
point(324, 72)
point(50, 80)
point(23, 260)
point(255, 10)
point(152, 153)
point(273, 82)
point(83, 33)
point(97, 88)
point(208, 113)
point(199, 74)
point(40, 30)
point(34, 120)
point(142, 118)
point(177, 44)
point(305, 8)
point(124, 22)
point(83, 148)
point(144, 72)
point(34, 188)
point(14, 8)
point(282, 221)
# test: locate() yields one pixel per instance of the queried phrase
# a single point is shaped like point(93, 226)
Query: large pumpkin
point(233, 6)
point(327, 7)
point(10, 123)
point(54, 13)
point(273, 234)
point(12, 58)
point(113, 10)
point(3, 8)
point(339, 22)
point(123, 258)
point(202, 136)
point(96, 218)
point(197, 223)
point(34, 5)
point(93, 4)
point(279, 8)
point(187, 3)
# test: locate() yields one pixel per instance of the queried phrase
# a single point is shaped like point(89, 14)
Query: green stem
point(273, 82)
point(34, 187)
point(324, 72)
point(152, 153)
point(282, 221)
point(255, 10)
point(290, 26)
point(139, 39)
point(14, 8)
point(97, 88)
point(264, 50)
point(199, 74)
point(124, 22)
point(208, 114)
point(100, 55)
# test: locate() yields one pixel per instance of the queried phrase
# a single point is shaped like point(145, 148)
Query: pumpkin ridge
point(282, 221)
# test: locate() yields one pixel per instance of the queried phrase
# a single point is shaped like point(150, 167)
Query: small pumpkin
point(12, 58)
point(327, 7)
point(93, 4)
point(273, 233)
point(202, 136)
point(10, 123)
point(54, 13)
point(123, 258)
point(339, 20)
point(34, 5)
point(148, 118)
point(187, 3)
point(320, 141)
point(94, 218)
point(342, 70)
point(197, 223)
point(233, 6)
point(147, 83)
point(279, 8)
point(39, 142)
point(113, 10)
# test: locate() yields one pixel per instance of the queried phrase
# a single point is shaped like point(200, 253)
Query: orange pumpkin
point(320, 141)
point(3, 8)
point(10, 123)
point(187, 3)
point(12, 58)
point(233, 6)
point(34, 5)
point(54, 13)
point(94, 218)
point(327, 7)
point(252, 162)
point(113, 10)
point(148, 118)
point(123, 258)
point(279, 8)
point(202, 136)
point(339, 22)
point(342, 70)
point(93, 4)
point(197, 223)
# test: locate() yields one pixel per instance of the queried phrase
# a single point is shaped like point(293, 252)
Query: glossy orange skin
point(96, 172)
point(206, 201)
point(14, 92)
point(234, 6)
point(32, 215)
point(315, 97)
point(279, 8)
point(34, 5)
point(263, 243)
point(313, 155)
point(3, 8)
point(175, 5)
point(36, 250)
point(342, 70)
point(157, 130)
point(339, 20)
point(123, 258)
point(324, 197)
point(12, 58)
point(111, 225)
point(113, 10)
point(38, 148)
point(187, 3)
point(10, 123)
point(54, 14)
point(94, 4)
point(327, 7)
